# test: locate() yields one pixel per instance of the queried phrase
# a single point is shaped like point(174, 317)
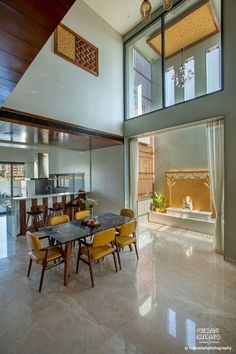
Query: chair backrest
point(103, 238)
point(80, 215)
point(127, 229)
point(33, 242)
point(38, 208)
point(59, 219)
point(127, 212)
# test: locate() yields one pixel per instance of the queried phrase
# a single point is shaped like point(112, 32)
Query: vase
point(90, 212)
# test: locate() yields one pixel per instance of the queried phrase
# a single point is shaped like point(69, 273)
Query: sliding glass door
point(12, 183)
point(5, 186)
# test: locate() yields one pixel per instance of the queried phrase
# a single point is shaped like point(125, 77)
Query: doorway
point(12, 184)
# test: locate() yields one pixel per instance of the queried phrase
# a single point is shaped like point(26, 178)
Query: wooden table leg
point(67, 262)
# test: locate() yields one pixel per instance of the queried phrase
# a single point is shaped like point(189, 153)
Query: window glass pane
point(189, 87)
point(213, 69)
point(143, 74)
point(169, 87)
point(186, 43)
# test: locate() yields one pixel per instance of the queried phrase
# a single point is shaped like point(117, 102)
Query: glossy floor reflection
point(156, 305)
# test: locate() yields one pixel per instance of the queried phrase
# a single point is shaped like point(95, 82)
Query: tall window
point(169, 87)
point(142, 83)
point(213, 69)
point(189, 86)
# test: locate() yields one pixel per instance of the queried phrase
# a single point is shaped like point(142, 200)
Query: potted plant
point(90, 204)
point(159, 202)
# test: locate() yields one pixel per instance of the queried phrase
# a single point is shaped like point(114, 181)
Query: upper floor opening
point(176, 58)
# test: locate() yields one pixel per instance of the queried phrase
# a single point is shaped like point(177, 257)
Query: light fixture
point(183, 74)
point(167, 4)
point(145, 10)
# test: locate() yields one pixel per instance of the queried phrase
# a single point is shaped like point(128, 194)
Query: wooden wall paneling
point(22, 217)
point(64, 201)
point(146, 171)
point(34, 202)
point(54, 200)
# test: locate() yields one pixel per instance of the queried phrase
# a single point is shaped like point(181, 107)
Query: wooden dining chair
point(126, 237)
point(102, 246)
point(127, 212)
point(47, 257)
point(57, 220)
point(81, 215)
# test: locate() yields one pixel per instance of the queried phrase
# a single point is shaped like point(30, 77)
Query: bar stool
point(56, 210)
point(71, 209)
point(37, 220)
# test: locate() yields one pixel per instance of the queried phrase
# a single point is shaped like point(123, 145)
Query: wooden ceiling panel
point(25, 26)
point(9, 75)
point(9, 20)
point(13, 63)
point(16, 47)
point(47, 13)
point(194, 27)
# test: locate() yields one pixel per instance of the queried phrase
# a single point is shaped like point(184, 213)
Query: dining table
point(75, 230)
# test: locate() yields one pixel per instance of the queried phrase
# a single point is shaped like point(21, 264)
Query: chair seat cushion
point(97, 252)
point(38, 256)
point(125, 241)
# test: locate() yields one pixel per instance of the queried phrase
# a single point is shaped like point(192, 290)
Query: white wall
point(108, 179)
point(179, 149)
point(218, 104)
point(54, 87)
point(67, 161)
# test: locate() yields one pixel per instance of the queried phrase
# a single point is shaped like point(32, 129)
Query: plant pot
point(160, 210)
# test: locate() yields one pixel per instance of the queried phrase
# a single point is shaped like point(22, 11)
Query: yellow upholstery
point(59, 219)
point(35, 246)
point(97, 252)
point(103, 238)
point(101, 244)
point(38, 256)
point(36, 243)
point(80, 215)
point(126, 234)
point(127, 212)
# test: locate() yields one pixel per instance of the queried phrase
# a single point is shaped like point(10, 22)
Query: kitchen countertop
point(47, 195)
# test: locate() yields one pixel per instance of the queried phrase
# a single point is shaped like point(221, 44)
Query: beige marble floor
point(155, 305)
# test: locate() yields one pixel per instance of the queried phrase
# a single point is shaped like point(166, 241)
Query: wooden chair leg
point(114, 257)
point(90, 268)
point(29, 268)
point(41, 279)
point(78, 259)
point(136, 250)
point(130, 248)
point(118, 256)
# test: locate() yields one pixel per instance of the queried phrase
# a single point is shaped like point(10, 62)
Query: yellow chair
point(127, 212)
point(102, 246)
point(127, 237)
point(57, 220)
point(81, 215)
point(47, 257)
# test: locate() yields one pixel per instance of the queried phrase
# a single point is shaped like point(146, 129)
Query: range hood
point(41, 165)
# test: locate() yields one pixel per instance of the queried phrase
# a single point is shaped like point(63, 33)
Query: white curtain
point(215, 144)
point(134, 171)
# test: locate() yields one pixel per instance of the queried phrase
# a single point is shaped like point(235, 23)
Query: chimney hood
point(41, 165)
